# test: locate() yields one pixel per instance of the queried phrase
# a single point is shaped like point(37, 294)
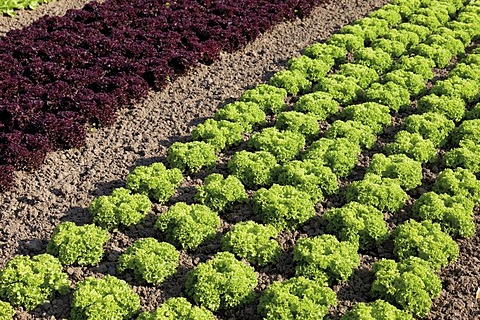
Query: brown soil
point(67, 183)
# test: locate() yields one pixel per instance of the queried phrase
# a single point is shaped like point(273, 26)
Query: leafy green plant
point(466, 156)
point(416, 64)
point(253, 168)
point(283, 145)
point(188, 225)
point(6, 311)
point(440, 55)
point(368, 28)
point(458, 34)
point(296, 298)
point(247, 114)
point(340, 154)
point(430, 125)
point(467, 130)
point(427, 19)
point(29, 282)
point(421, 31)
point(390, 13)
point(364, 75)
point(78, 244)
point(326, 52)
point(372, 114)
point(320, 104)
point(119, 208)
point(309, 176)
point(150, 260)
point(343, 89)
point(191, 156)
point(357, 223)
point(221, 283)
point(377, 310)
point(348, 41)
point(377, 59)
point(293, 81)
point(390, 94)
point(450, 106)
point(106, 298)
point(10, 6)
point(305, 124)
point(466, 71)
point(412, 284)
point(155, 181)
point(465, 89)
point(406, 37)
point(449, 42)
point(458, 182)
point(253, 242)
point(324, 258)
point(414, 83)
point(268, 98)
point(399, 167)
point(178, 308)
point(453, 213)
point(354, 131)
point(220, 193)
point(425, 240)
point(393, 47)
point(413, 145)
point(383, 193)
point(312, 69)
point(285, 207)
point(219, 134)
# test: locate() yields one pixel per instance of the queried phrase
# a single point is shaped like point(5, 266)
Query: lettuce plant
point(421, 31)
point(296, 298)
point(390, 13)
point(154, 180)
point(383, 193)
point(178, 308)
point(440, 55)
point(293, 82)
point(348, 41)
point(219, 134)
point(357, 223)
point(452, 44)
point(253, 242)
point(427, 19)
point(188, 225)
point(221, 283)
point(406, 37)
point(354, 131)
point(253, 168)
point(425, 240)
point(29, 282)
point(121, 208)
point(458, 182)
point(324, 258)
point(309, 176)
point(106, 298)
point(465, 89)
point(466, 71)
point(312, 69)
point(191, 156)
point(340, 154)
point(326, 52)
point(285, 207)
point(458, 34)
point(466, 156)
point(6, 311)
point(413, 145)
point(368, 28)
point(343, 89)
point(283, 145)
point(412, 284)
point(150, 260)
point(407, 172)
point(377, 310)
point(247, 114)
point(393, 47)
point(78, 244)
point(364, 75)
point(390, 94)
point(321, 104)
point(467, 130)
point(377, 59)
point(220, 193)
point(431, 126)
point(453, 213)
point(269, 98)
point(414, 83)
point(303, 123)
point(417, 64)
point(372, 114)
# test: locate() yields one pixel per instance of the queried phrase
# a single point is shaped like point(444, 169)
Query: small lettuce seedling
point(78, 244)
point(372, 114)
point(413, 145)
point(269, 98)
point(188, 225)
point(377, 310)
point(150, 260)
point(106, 298)
point(155, 181)
point(321, 104)
point(121, 208)
point(220, 193)
point(219, 134)
point(354, 131)
point(247, 114)
point(29, 282)
point(191, 156)
point(283, 145)
point(325, 259)
point(296, 298)
point(293, 82)
point(178, 308)
point(221, 283)
point(285, 207)
point(253, 242)
point(431, 126)
point(453, 213)
point(254, 169)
